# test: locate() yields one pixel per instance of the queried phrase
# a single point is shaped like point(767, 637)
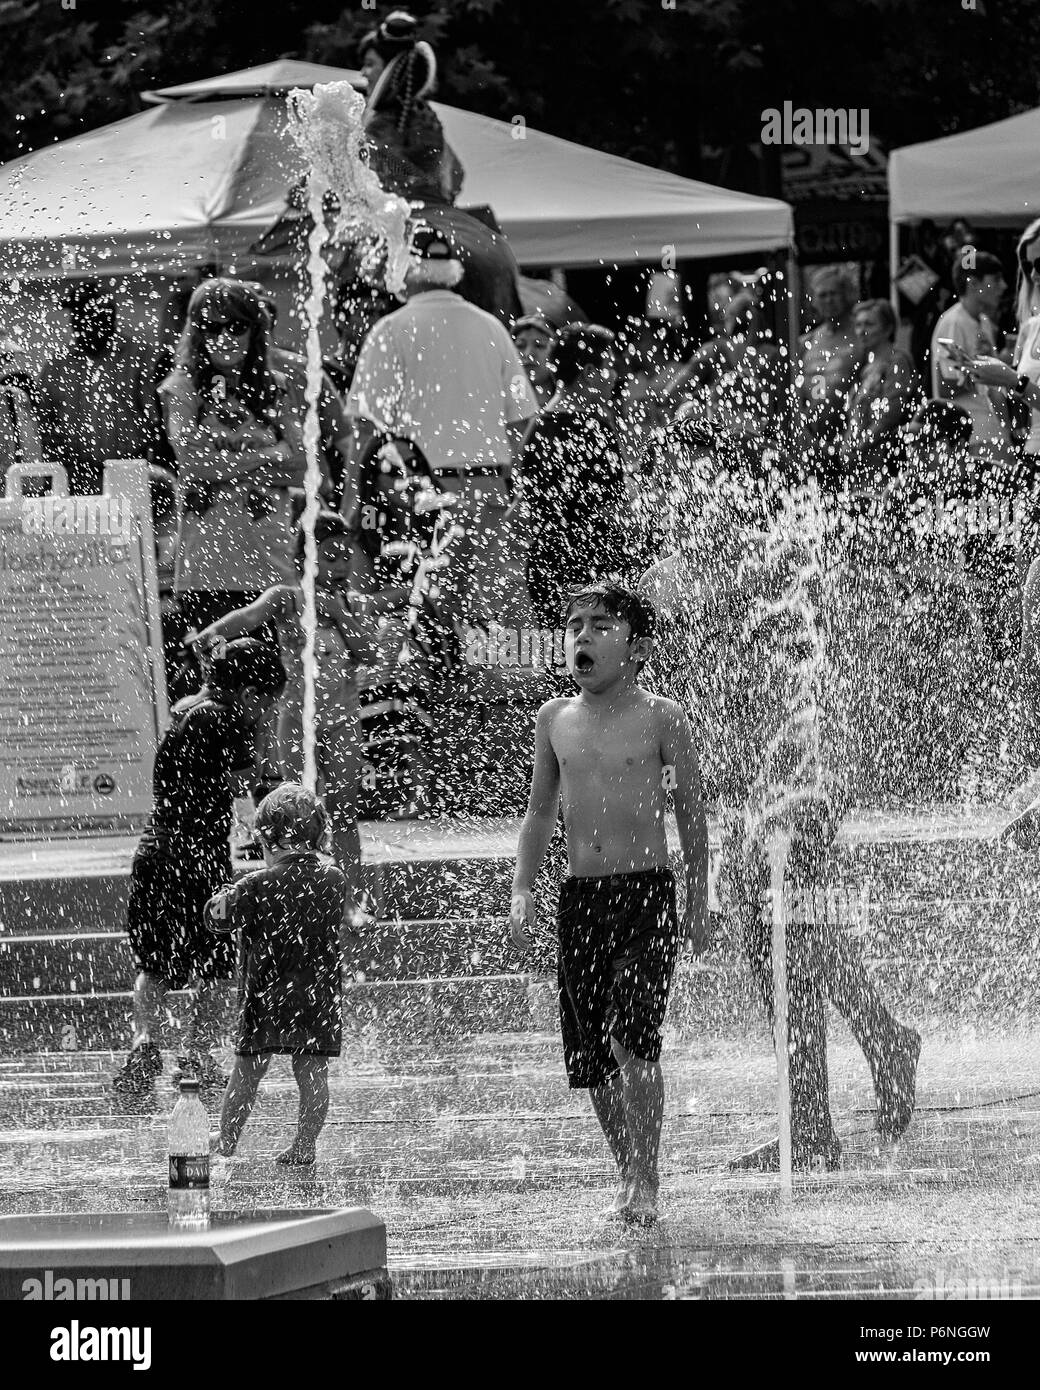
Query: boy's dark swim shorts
point(619, 939)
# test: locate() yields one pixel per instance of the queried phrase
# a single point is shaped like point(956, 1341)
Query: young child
point(613, 751)
point(289, 914)
point(184, 854)
point(344, 641)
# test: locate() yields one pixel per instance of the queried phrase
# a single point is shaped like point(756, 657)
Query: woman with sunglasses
point(235, 423)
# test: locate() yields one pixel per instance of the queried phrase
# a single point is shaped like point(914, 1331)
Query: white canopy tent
point(201, 173)
point(990, 176)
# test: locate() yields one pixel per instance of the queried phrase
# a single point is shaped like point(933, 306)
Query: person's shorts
point(619, 940)
point(165, 920)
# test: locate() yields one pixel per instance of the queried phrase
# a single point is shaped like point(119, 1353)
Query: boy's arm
point(228, 909)
point(682, 775)
point(358, 629)
point(537, 830)
point(244, 620)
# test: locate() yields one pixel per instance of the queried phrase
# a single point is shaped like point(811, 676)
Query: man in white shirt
point(446, 375)
point(969, 323)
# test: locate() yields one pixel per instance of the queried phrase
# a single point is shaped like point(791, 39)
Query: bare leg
point(149, 997)
point(312, 1077)
point(239, 1100)
point(642, 1090)
point(608, 1103)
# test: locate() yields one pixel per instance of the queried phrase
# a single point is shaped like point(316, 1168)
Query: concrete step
point(944, 940)
point(716, 999)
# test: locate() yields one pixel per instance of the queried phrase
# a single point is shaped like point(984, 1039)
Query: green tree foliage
point(634, 77)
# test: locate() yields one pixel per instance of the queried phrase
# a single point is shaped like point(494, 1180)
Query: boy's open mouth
point(583, 662)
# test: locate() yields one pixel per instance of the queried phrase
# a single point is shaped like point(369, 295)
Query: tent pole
point(893, 264)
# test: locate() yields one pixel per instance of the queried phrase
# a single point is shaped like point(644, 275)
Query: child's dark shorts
point(165, 920)
point(619, 940)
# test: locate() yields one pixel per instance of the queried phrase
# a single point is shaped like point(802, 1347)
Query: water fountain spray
point(792, 775)
point(346, 201)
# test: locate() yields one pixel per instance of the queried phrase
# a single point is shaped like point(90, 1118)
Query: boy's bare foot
point(641, 1207)
point(297, 1155)
point(616, 1209)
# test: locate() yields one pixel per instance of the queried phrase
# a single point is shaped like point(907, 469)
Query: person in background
point(831, 356)
point(574, 491)
point(533, 337)
point(19, 428)
point(469, 422)
point(735, 380)
point(1020, 380)
point(235, 422)
point(967, 332)
point(650, 357)
point(883, 397)
point(96, 396)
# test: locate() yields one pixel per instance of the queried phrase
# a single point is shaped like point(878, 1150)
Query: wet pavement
point(491, 1175)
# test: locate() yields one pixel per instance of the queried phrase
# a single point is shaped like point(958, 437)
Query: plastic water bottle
point(189, 1160)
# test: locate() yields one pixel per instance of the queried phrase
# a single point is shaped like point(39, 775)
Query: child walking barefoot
point(614, 752)
point(289, 914)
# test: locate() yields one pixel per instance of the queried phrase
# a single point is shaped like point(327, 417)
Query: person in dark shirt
point(97, 397)
point(289, 914)
point(184, 854)
point(573, 482)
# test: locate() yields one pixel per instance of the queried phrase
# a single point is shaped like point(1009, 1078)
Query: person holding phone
point(964, 333)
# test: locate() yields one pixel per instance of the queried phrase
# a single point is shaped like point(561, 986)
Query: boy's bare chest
point(617, 750)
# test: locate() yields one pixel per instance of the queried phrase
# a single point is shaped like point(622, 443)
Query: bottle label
point(189, 1172)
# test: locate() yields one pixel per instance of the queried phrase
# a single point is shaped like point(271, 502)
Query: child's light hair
point(290, 817)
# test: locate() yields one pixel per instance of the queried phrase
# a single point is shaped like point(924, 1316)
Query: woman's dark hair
point(326, 524)
point(983, 263)
point(581, 345)
point(290, 817)
point(369, 518)
point(230, 301)
point(245, 662)
point(626, 605)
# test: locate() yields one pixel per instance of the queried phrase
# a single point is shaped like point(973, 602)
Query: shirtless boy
point(614, 752)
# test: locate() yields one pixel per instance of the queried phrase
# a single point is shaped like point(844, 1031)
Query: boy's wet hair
point(621, 603)
point(246, 662)
point(327, 523)
point(291, 817)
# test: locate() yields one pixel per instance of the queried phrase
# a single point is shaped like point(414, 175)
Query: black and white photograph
point(520, 668)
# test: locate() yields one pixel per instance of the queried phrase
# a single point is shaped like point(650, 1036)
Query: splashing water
point(327, 126)
point(792, 774)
